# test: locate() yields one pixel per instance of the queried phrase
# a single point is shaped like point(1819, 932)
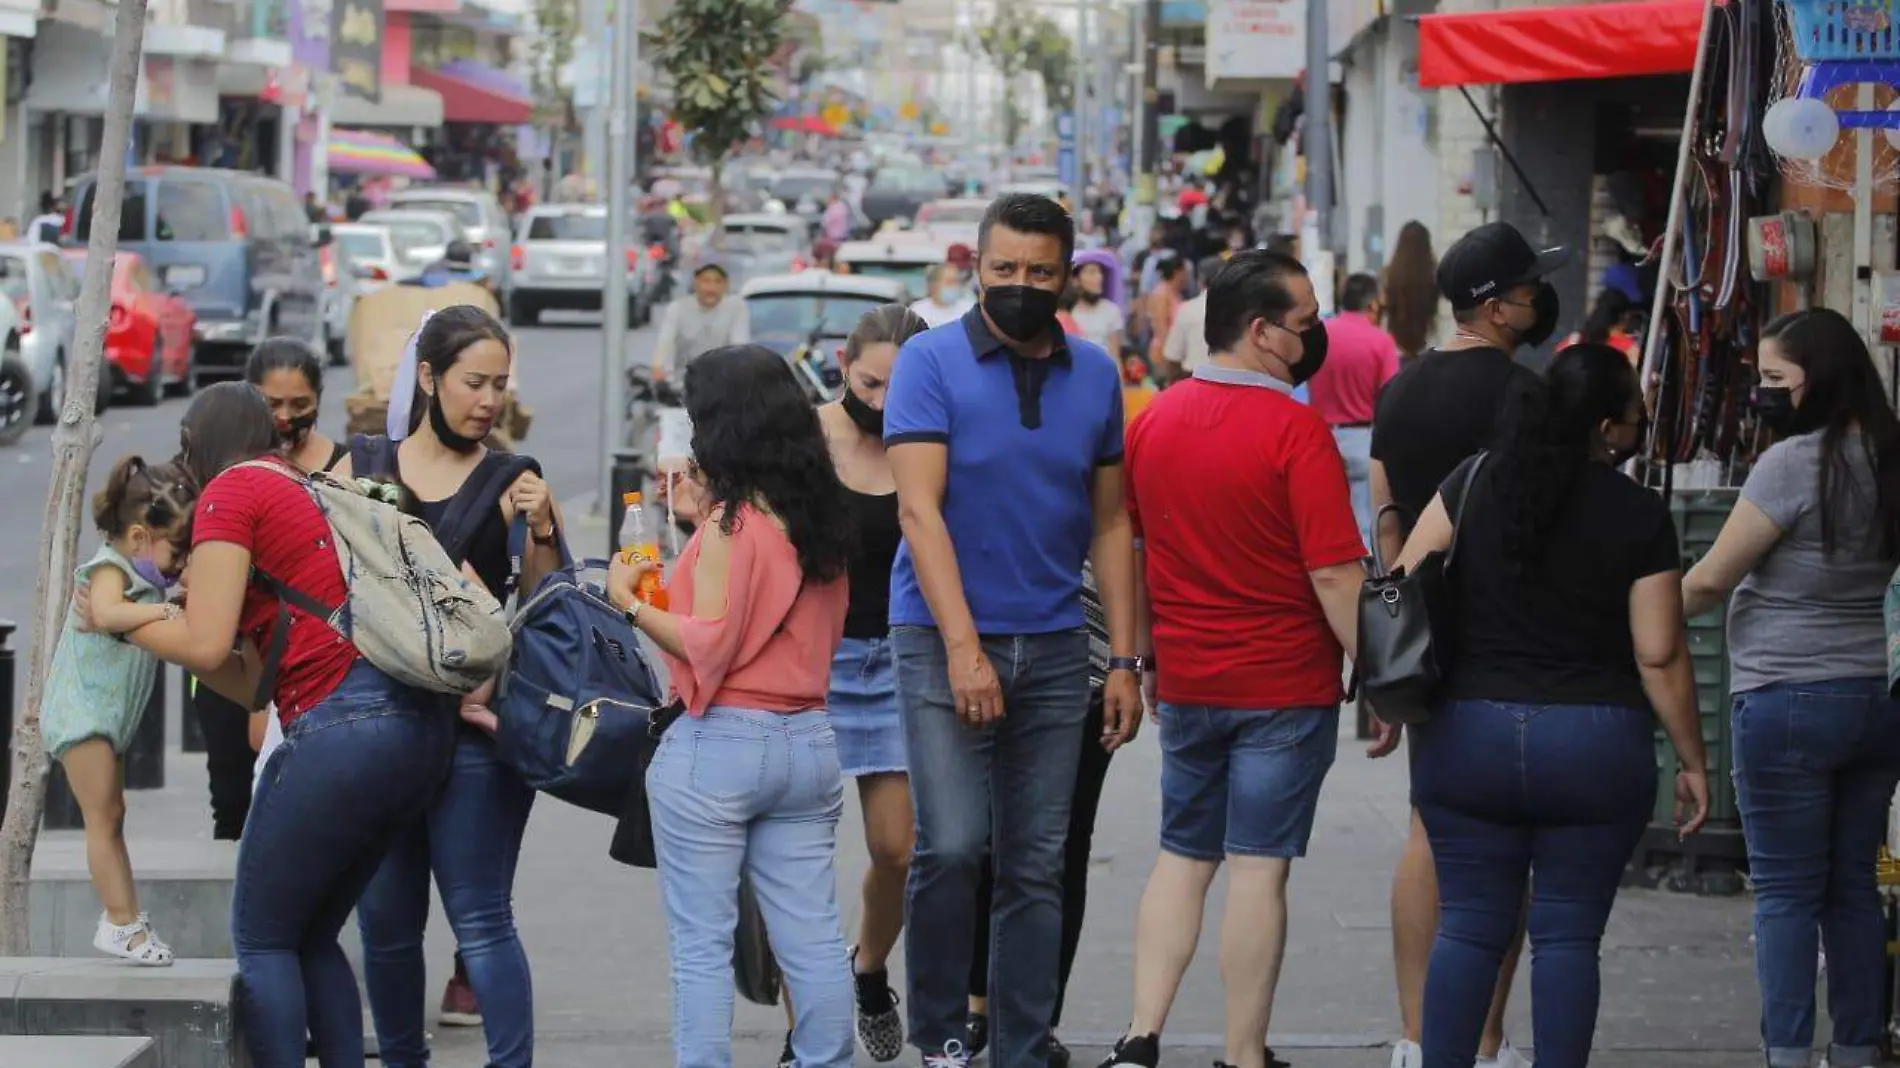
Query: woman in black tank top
point(863, 698)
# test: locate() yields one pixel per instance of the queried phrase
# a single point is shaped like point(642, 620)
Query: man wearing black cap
point(1443, 407)
point(709, 317)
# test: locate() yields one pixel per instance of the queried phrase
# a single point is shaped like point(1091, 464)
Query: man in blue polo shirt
point(1005, 437)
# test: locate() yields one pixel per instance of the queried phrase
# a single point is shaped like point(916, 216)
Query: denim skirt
point(863, 708)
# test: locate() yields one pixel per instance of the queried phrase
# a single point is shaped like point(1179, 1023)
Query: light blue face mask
point(150, 573)
point(954, 294)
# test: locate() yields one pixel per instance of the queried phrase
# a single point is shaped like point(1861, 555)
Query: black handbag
point(1405, 626)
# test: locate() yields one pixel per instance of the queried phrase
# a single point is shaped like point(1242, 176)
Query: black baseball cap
point(1491, 259)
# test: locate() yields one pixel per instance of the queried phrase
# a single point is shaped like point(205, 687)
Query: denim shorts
point(863, 707)
point(1242, 781)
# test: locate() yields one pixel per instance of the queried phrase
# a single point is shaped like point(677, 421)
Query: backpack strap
point(474, 504)
point(288, 597)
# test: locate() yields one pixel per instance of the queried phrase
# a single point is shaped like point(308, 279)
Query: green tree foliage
point(1020, 41)
point(557, 22)
point(720, 56)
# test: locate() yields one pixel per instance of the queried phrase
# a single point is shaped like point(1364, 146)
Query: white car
point(421, 237)
point(483, 222)
point(560, 264)
point(953, 221)
point(899, 256)
point(372, 255)
point(807, 316)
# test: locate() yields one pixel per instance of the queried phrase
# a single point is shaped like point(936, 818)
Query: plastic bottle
point(634, 542)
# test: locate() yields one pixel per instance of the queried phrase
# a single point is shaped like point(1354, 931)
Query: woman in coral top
point(749, 780)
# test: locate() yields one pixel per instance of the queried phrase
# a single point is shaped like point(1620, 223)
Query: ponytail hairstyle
point(1552, 429)
point(136, 494)
point(887, 324)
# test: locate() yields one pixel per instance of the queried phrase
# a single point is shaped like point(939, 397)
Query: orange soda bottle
point(635, 544)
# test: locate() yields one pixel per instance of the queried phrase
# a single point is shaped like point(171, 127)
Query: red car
point(148, 331)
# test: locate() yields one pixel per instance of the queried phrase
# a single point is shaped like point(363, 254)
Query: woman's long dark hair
point(757, 441)
point(1553, 427)
point(1842, 390)
point(284, 354)
point(442, 340)
point(1411, 288)
point(227, 424)
point(1607, 313)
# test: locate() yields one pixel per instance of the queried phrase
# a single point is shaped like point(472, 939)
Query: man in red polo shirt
point(1252, 574)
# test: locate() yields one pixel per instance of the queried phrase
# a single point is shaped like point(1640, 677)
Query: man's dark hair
point(48, 203)
point(1361, 290)
point(1251, 285)
point(1028, 213)
point(1169, 267)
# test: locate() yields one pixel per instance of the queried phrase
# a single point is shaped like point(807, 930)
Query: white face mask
point(952, 294)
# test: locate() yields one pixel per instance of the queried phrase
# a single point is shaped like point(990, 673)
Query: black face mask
point(863, 416)
point(1546, 307)
point(445, 433)
point(300, 427)
point(1778, 411)
point(1313, 353)
point(1021, 313)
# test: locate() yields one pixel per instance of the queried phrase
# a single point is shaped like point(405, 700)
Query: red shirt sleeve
point(228, 508)
point(1130, 446)
point(1320, 499)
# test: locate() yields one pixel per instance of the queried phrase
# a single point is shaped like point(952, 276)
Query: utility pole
point(1148, 129)
point(618, 191)
point(1079, 106)
point(1316, 138)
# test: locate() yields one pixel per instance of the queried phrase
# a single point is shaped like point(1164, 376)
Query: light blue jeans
point(1355, 447)
point(758, 792)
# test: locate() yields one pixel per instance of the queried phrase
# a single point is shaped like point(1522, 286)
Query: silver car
point(560, 264)
point(43, 289)
point(480, 215)
point(754, 246)
point(421, 237)
point(371, 251)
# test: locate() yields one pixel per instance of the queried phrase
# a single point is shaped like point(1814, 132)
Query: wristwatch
point(543, 539)
point(1135, 664)
point(632, 614)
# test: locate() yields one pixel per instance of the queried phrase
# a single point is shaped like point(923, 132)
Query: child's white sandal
point(116, 941)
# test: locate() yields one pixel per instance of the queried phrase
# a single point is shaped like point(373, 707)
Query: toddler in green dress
point(99, 683)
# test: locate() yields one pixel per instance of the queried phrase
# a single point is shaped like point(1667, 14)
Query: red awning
point(466, 102)
point(1554, 44)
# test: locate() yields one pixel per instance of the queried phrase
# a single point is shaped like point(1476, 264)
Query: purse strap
point(1458, 512)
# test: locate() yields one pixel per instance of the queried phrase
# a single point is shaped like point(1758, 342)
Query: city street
point(1679, 989)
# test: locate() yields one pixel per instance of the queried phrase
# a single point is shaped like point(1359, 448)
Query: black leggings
point(1090, 774)
point(228, 757)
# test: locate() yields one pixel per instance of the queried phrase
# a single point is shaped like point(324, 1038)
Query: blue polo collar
point(986, 344)
point(1238, 376)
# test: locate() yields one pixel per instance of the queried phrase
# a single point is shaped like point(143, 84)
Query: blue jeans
point(1815, 769)
point(470, 838)
point(760, 792)
point(351, 772)
point(1242, 781)
point(1006, 787)
point(1553, 796)
point(1355, 447)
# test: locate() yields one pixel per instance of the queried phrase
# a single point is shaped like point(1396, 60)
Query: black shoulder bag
point(1405, 626)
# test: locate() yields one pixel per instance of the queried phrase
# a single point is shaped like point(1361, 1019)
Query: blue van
point(237, 247)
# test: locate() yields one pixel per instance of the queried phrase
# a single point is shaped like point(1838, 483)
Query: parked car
point(803, 191)
point(953, 221)
point(421, 237)
point(905, 258)
point(43, 289)
point(372, 255)
point(18, 402)
point(560, 263)
point(236, 247)
point(483, 221)
point(149, 332)
point(896, 193)
point(340, 289)
point(751, 246)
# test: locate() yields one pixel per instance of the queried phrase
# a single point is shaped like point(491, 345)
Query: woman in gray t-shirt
point(1807, 554)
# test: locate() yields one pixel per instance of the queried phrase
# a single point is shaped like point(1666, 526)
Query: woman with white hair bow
point(450, 390)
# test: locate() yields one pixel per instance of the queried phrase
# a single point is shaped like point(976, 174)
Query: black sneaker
point(1276, 1062)
point(1058, 1054)
point(976, 1035)
point(880, 1028)
point(1139, 1051)
point(785, 1057)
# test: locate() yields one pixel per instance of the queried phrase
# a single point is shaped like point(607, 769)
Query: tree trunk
point(74, 440)
point(716, 196)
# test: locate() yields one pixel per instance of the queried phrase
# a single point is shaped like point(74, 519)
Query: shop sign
point(1887, 310)
point(356, 47)
point(1255, 39)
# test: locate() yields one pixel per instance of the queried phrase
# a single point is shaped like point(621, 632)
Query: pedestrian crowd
point(964, 584)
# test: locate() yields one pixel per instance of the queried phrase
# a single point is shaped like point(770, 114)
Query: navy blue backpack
point(578, 693)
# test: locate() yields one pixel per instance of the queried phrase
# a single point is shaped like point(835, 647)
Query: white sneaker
point(1407, 1054)
point(1508, 1057)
